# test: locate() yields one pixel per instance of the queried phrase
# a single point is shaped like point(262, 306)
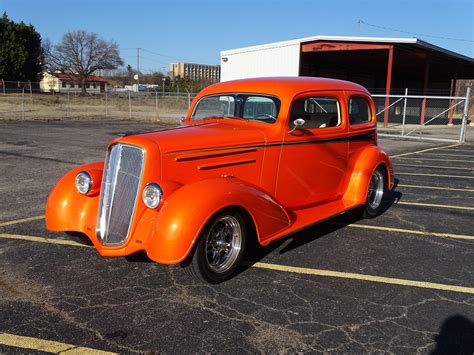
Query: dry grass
point(60, 106)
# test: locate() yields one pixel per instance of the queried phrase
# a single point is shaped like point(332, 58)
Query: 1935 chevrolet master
point(255, 158)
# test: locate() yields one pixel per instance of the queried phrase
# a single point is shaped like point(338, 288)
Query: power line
point(413, 33)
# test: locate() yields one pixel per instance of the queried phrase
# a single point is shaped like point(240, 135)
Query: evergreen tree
point(20, 51)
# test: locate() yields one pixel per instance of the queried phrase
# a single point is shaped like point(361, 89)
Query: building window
point(71, 85)
point(63, 84)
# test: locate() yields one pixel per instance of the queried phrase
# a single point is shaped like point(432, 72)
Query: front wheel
point(220, 248)
point(375, 193)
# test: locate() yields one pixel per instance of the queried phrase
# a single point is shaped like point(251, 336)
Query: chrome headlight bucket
point(151, 195)
point(83, 182)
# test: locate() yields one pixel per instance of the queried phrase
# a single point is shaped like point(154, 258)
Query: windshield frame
point(276, 101)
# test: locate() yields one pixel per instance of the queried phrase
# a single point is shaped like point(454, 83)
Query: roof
point(283, 87)
point(75, 77)
point(389, 40)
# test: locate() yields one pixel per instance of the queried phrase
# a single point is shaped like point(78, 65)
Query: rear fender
point(361, 167)
point(186, 211)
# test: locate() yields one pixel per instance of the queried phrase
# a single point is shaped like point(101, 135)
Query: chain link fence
point(25, 100)
point(437, 118)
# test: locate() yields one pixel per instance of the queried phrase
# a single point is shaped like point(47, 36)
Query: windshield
point(250, 107)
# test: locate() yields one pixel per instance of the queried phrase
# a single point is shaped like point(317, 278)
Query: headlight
point(152, 195)
point(83, 182)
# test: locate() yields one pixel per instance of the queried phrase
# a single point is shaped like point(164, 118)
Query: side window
point(317, 111)
point(359, 110)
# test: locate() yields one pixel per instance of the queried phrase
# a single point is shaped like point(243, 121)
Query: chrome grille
point(120, 184)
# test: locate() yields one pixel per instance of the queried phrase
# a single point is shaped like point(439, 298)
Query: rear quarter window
point(359, 110)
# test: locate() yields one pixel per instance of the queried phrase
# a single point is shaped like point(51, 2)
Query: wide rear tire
point(375, 194)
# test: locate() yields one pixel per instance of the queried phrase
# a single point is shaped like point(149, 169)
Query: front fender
point(68, 210)
point(361, 167)
point(186, 211)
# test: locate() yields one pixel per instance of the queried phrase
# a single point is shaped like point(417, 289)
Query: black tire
point(375, 194)
point(220, 248)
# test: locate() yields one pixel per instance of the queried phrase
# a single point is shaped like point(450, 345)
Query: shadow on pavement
point(456, 336)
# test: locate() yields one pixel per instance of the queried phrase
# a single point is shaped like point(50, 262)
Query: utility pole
point(138, 69)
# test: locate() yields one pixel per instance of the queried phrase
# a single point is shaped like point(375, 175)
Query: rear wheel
point(375, 193)
point(220, 248)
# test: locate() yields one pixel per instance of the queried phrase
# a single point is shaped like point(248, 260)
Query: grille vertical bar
point(120, 184)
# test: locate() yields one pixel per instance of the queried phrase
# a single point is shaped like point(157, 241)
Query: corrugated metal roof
point(299, 41)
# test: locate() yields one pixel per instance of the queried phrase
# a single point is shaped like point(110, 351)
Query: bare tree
point(82, 53)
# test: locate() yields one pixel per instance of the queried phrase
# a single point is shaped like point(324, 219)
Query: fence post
point(156, 104)
point(462, 137)
point(129, 105)
point(189, 98)
point(23, 103)
point(68, 102)
point(106, 104)
point(4, 89)
point(404, 112)
point(31, 91)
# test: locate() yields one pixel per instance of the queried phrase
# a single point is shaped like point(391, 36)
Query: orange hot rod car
point(254, 158)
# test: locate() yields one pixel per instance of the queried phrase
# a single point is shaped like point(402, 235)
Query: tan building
point(62, 82)
point(195, 71)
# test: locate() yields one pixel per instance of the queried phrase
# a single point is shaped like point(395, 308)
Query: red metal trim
point(324, 46)
point(425, 88)
point(388, 85)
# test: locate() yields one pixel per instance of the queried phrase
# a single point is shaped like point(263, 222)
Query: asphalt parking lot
point(402, 283)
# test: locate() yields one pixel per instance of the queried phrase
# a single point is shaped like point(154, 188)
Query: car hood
point(206, 136)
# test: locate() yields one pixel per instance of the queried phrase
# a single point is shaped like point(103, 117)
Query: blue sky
point(196, 31)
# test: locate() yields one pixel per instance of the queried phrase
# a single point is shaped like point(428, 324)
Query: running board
point(314, 215)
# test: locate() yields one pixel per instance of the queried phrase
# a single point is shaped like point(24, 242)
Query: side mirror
point(181, 121)
point(299, 122)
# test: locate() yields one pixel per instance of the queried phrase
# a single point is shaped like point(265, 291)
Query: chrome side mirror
point(181, 121)
point(299, 122)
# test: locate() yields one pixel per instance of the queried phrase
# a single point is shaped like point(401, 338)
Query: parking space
point(402, 282)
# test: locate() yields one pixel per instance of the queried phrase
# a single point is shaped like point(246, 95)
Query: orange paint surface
point(284, 180)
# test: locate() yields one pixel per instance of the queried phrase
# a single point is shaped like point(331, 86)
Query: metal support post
point(189, 98)
point(4, 88)
point(404, 112)
point(129, 105)
point(388, 85)
point(462, 137)
point(106, 104)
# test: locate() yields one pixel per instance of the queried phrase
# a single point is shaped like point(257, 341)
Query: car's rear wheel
point(375, 194)
point(220, 247)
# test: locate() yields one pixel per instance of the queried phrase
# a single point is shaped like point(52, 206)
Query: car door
point(314, 157)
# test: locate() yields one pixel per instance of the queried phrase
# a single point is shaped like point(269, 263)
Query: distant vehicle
point(256, 159)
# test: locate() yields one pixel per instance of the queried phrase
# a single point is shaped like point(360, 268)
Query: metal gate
point(436, 118)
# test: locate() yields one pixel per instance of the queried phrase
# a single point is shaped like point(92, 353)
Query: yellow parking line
point(434, 159)
point(49, 346)
point(409, 203)
point(453, 155)
point(23, 220)
point(363, 277)
point(459, 150)
point(437, 175)
point(435, 188)
point(424, 150)
point(31, 238)
point(8, 340)
point(434, 166)
point(408, 231)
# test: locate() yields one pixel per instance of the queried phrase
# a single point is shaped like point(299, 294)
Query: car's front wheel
point(220, 247)
point(375, 194)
